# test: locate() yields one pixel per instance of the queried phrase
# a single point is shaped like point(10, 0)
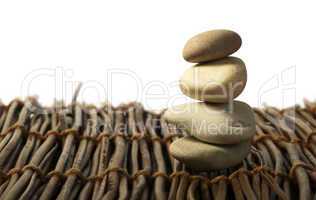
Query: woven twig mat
point(81, 151)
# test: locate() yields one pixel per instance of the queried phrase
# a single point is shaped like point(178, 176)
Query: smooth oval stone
point(217, 82)
point(211, 45)
point(214, 123)
point(202, 156)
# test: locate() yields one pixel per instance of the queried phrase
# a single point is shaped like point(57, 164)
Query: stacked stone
point(219, 128)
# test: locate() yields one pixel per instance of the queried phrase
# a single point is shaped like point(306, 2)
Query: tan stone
point(211, 45)
point(217, 82)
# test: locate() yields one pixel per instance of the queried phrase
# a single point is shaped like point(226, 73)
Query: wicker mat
point(80, 151)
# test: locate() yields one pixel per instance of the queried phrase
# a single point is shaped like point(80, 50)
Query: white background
point(84, 40)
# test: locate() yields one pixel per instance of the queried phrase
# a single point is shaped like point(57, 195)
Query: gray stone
point(214, 123)
point(204, 157)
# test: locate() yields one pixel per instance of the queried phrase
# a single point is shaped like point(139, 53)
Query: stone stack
point(220, 128)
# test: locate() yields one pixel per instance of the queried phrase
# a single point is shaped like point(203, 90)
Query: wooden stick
point(117, 158)
point(159, 182)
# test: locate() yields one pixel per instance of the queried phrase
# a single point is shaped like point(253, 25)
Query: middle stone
point(214, 123)
point(217, 82)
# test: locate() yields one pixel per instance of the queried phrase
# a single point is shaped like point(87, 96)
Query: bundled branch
point(80, 151)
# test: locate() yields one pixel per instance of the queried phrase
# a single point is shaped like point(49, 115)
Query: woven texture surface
point(81, 151)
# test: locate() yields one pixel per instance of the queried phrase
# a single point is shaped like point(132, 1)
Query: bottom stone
point(202, 156)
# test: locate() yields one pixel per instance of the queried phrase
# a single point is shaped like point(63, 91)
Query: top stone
point(211, 45)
